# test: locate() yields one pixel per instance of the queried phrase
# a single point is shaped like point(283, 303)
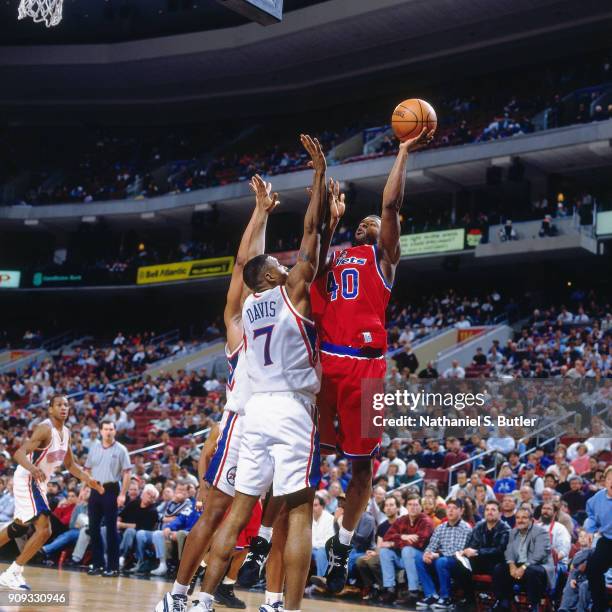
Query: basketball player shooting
point(38, 458)
point(279, 435)
point(349, 300)
point(217, 470)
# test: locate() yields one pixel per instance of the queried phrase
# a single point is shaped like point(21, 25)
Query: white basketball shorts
point(221, 472)
point(280, 445)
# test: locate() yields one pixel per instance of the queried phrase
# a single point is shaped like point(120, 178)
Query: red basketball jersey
point(349, 301)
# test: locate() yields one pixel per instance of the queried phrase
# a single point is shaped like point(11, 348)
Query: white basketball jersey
point(238, 388)
point(49, 458)
point(281, 345)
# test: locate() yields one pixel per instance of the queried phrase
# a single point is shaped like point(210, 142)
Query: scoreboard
point(265, 12)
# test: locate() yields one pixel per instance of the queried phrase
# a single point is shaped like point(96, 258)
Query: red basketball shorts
point(342, 398)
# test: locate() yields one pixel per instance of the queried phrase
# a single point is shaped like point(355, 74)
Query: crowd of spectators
point(144, 165)
point(510, 481)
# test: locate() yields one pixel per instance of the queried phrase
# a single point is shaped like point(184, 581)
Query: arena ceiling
point(313, 55)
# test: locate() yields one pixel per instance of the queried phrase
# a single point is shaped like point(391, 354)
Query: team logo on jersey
point(231, 476)
point(356, 261)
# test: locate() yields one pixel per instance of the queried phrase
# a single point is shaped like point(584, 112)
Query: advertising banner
point(185, 270)
point(9, 279)
point(432, 242)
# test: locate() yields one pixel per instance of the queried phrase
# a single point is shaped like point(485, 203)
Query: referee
point(109, 463)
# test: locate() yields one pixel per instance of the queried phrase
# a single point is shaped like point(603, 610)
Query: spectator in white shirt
point(463, 323)
point(322, 530)
point(560, 538)
point(119, 340)
point(392, 459)
point(455, 371)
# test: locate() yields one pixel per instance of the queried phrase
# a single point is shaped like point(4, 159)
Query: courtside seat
point(483, 593)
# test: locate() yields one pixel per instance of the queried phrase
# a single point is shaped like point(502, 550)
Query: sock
point(345, 537)
point(265, 533)
point(179, 589)
point(15, 567)
point(273, 597)
point(227, 580)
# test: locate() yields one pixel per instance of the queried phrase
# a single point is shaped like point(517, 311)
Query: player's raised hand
point(264, 198)
point(317, 157)
point(422, 140)
point(337, 204)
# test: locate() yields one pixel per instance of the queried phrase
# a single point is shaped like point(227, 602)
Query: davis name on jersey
point(281, 345)
point(349, 301)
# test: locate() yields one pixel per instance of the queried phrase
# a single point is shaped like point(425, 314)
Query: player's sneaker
point(200, 572)
point(426, 602)
point(224, 596)
point(11, 579)
point(254, 562)
point(172, 603)
point(337, 564)
point(199, 606)
point(277, 606)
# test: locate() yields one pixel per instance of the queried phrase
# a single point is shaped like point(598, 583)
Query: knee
point(362, 472)
point(385, 553)
point(44, 531)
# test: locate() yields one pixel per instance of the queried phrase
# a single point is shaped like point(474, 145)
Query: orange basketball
point(411, 116)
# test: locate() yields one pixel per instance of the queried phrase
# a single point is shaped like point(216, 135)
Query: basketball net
point(49, 11)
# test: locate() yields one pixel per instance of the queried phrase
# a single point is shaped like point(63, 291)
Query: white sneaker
point(198, 606)
point(121, 562)
point(277, 606)
point(13, 580)
point(172, 603)
point(161, 570)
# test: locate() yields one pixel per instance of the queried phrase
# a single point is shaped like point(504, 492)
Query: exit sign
point(265, 12)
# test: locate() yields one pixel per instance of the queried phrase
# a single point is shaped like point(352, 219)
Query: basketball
point(410, 116)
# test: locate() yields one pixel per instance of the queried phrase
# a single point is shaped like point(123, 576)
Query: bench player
point(279, 436)
point(349, 299)
point(221, 469)
point(38, 458)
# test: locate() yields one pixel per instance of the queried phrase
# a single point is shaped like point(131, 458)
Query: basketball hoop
point(49, 11)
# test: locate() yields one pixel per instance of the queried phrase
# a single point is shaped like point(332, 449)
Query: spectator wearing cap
point(530, 478)
point(575, 498)
point(529, 562)
point(407, 537)
point(599, 520)
point(439, 558)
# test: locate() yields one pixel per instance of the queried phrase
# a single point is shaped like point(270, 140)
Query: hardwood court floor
point(97, 594)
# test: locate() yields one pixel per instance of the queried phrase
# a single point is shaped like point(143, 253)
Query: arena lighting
point(89, 219)
point(30, 222)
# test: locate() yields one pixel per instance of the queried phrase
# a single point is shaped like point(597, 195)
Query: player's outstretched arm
point(41, 437)
point(253, 243)
point(71, 465)
point(305, 270)
point(393, 197)
point(336, 208)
